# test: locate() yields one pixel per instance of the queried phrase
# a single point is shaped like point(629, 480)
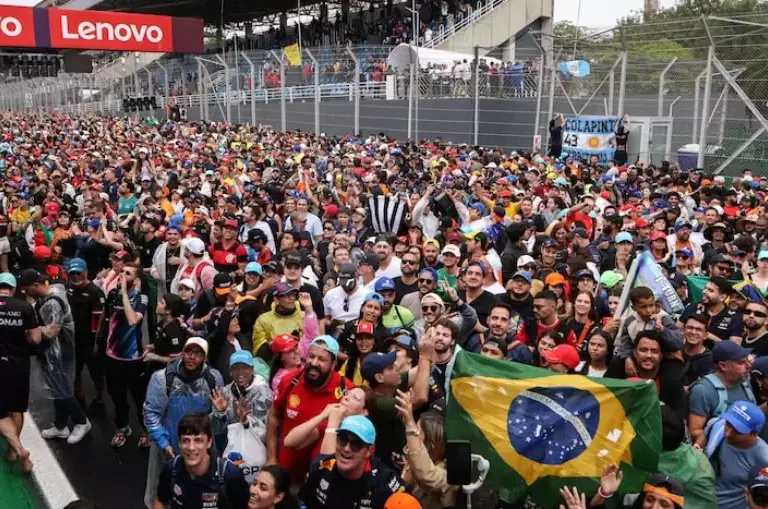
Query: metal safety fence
point(697, 88)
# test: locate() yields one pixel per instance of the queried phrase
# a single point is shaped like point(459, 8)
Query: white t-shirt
point(392, 271)
point(336, 300)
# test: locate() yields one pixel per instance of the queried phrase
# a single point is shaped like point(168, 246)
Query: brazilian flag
point(541, 430)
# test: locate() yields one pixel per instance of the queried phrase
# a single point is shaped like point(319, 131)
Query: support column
point(508, 50)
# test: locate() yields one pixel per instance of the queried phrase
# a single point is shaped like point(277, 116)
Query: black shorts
point(14, 394)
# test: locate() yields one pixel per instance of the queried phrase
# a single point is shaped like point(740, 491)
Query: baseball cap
point(283, 288)
point(760, 366)
point(729, 351)
point(549, 243)
point(365, 327)
point(359, 426)
point(76, 265)
point(198, 342)
point(121, 255)
point(188, 283)
point(231, 223)
point(253, 267)
point(402, 500)
point(327, 343)
point(658, 235)
point(610, 278)
point(585, 273)
point(370, 259)
point(346, 273)
point(745, 417)
point(434, 242)
point(554, 279)
point(720, 258)
point(384, 284)
point(678, 280)
point(521, 274)
point(480, 207)
point(375, 363)
point(762, 255)
point(241, 357)
point(255, 235)
point(30, 277)
point(195, 246)
point(404, 341)
point(666, 486)
point(581, 232)
point(292, 257)
point(451, 249)
point(7, 279)
point(222, 282)
point(685, 252)
point(562, 354)
point(283, 343)
point(641, 222)
point(525, 260)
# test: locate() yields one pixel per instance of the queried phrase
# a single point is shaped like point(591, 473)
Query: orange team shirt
point(297, 404)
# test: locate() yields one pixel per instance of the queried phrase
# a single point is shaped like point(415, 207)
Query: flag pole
point(298, 22)
point(623, 300)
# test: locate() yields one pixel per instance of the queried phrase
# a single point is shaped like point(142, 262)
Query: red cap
point(504, 193)
point(658, 234)
point(283, 343)
point(331, 210)
point(642, 223)
point(231, 223)
point(562, 354)
point(52, 207)
point(365, 327)
point(42, 252)
point(605, 195)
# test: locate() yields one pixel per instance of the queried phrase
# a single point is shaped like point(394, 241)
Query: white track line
point(51, 480)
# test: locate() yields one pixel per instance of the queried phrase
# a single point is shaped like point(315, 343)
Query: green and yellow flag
point(541, 430)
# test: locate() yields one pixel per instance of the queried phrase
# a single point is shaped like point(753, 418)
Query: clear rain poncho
point(57, 356)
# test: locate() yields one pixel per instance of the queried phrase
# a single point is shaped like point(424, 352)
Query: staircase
point(491, 24)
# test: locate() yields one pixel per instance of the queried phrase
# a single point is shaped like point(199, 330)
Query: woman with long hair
point(287, 358)
point(659, 248)
point(559, 233)
point(561, 288)
point(371, 311)
point(425, 469)
point(271, 490)
point(577, 328)
point(599, 353)
point(357, 401)
point(547, 341)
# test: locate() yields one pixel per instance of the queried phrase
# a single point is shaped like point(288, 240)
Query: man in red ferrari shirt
point(229, 255)
point(302, 395)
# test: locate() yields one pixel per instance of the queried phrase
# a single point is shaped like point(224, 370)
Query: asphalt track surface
point(112, 478)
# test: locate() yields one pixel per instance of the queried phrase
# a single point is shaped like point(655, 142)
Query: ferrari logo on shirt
point(339, 393)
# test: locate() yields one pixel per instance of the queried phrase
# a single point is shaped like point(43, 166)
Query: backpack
point(171, 375)
point(722, 392)
point(219, 476)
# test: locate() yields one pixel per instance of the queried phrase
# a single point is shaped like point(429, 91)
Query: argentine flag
point(575, 68)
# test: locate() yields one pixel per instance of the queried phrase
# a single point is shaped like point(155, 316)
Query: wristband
point(425, 357)
point(602, 495)
point(329, 431)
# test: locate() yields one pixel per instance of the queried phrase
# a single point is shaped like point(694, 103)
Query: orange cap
point(401, 500)
point(554, 279)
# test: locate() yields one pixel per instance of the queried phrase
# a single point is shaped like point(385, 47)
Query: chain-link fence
point(682, 82)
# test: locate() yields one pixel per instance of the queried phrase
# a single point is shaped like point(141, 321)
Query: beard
point(317, 378)
point(752, 326)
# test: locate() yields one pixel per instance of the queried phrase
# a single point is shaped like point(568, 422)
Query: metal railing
point(449, 29)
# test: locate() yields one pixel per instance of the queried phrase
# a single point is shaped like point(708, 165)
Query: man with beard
point(711, 395)
point(292, 268)
point(474, 294)
point(500, 330)
point(353, 476)
point(301, 395)
point(549, 262)
point(755, 330)
point(186, 385)
point(724, 323)
point(167, 259)
point(148, 242)
point(408, 281)
point(394, 317)
point(429, 251)
point(389, 265)
point(545, 312)
point(427, 283)
point(681, 239)
point(343, 302)
point(521, 308)
point(87, 303)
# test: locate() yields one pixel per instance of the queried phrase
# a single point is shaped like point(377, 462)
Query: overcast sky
point(593, 13)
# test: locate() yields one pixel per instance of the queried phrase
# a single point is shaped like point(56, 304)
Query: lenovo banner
point(26, 27)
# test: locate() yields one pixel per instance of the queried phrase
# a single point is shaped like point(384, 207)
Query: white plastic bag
point(245, 443)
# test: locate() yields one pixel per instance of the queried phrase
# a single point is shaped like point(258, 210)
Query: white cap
point(196, 246)
point(197, 341)
point(188, 283)
point(454, 250)
point(525, 260)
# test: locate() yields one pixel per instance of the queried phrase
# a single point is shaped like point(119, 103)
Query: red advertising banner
point(26, 27)
point(17, 27)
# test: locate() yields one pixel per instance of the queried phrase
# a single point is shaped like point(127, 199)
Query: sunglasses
point(346, 304)
point(330, 228)
point(430, 309)
point(348, 439)
point(759, 314)
point(410, 262)
point(426, 281)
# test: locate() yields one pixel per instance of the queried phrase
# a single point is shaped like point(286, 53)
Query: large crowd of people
point(282, 307)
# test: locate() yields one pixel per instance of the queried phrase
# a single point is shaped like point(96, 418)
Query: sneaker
point(79, 431)
point(54, 432)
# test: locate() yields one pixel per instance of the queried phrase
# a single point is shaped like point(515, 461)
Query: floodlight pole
point(357, 88)
point(280, 59)
point(253, 83)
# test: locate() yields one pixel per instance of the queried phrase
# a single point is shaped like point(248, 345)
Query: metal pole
point(622, 83)
point(316, 78)
point(149, 81)
point(250, 91)
point(166, 83)
point(660, 109)
point(410, 100)
point(281, 60)
point(237, 81)
point(417, 71)
point(201, 90)
point(723, 115)
point(551, 107)
point(298, 22)
point(477, 96)
point(705, 108)
point(697, 105)
point(357, 89)
point(227, 94)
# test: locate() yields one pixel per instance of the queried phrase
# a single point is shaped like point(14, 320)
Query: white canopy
point(403, 55)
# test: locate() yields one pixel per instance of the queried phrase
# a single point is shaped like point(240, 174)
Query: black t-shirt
point(697, 366)
point(402, 289)
point(85, 301)
point(147, 250)
point(759, 345)
point(724, 325)
point(482, 305)
point(181, 491)
point(96, 256)
point(16, 317)
point(169, 340)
